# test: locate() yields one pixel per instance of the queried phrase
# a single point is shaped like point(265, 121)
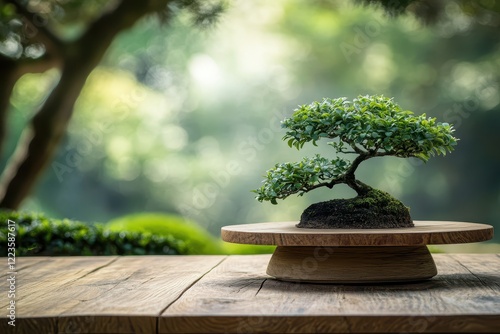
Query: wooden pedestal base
point(354, 255)
point(351, 264)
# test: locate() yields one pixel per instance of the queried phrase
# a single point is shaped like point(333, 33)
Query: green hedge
point(39, 235)
point(196, 239)
point(136, 234)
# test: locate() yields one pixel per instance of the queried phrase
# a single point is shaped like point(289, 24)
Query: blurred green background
point(186, 121)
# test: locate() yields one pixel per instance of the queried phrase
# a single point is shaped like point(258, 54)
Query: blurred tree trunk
point(7, 73)
point(40, 139)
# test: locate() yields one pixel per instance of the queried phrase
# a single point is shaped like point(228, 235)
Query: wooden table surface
point(207, 294)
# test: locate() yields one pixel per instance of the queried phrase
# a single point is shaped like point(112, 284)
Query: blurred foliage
point(41, 236)
point(478, 248)
point(240, 249)
point(431, 11)
point(183, 121)
point(138, 234)
point(69, 19)
point(195, 239)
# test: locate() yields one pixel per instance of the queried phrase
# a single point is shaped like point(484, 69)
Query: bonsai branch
point(329, 185)
point(356, 149)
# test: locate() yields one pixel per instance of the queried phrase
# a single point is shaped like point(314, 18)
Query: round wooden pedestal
point(351, 264)
point(354, 255)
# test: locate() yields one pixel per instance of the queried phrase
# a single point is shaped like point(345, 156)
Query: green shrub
point(137, 234)
point(239, 249)
point(38, 235)
point(196, 239)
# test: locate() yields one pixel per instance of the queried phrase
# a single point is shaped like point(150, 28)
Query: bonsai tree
point(367, 127)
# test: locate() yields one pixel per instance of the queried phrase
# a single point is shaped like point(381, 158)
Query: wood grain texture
point(237, 297)
point(49, 274)
point(352, 264)
point(104, 294)
point(23, 263)
point(483, 268)
point(37, 281)
point(213, 294)
point(131, 284)
point(424, 233)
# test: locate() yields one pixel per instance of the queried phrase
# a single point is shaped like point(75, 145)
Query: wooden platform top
point(424, 233)
point(214, 294)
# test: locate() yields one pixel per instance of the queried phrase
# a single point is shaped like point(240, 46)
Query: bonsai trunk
point(350, 179)
point(371, 208)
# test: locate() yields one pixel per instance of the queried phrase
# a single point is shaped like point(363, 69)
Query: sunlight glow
point(204, 70)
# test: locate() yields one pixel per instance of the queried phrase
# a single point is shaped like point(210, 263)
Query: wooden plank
point(23, 263)
point(39, 281)
point(103, 294)
point(229, 289)
point(46, 278)
point(423, 233)
point(482, 267)
point(30, 325)
point(107, 324)
point(333, 324)
point(238, 297)
point(129, 295)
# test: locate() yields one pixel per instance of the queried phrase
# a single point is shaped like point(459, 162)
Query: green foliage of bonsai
point(367, 127)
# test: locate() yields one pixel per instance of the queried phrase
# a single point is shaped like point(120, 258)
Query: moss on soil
point(375, 209)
